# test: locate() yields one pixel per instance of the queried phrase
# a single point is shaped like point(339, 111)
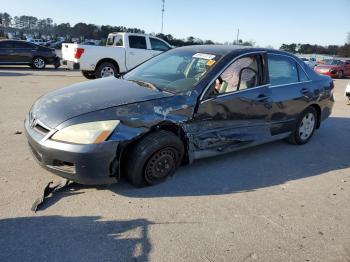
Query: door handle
point(262, 97)
point(131, 53)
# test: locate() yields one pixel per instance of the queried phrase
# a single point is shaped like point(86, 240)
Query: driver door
point(235, 111)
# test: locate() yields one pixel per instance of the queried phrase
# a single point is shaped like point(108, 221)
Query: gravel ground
point(275, 202)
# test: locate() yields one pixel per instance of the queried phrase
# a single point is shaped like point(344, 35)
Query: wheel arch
point(174, 128)
point(318, 111)
point(109, 60)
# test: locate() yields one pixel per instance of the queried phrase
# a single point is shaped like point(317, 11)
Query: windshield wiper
point(146, 84)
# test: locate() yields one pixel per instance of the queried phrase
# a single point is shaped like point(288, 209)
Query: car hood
point(65, 103)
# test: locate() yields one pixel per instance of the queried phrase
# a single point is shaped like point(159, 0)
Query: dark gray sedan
point(16, 52)
point(187, 103)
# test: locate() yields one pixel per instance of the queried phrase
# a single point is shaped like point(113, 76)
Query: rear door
point(137, 52)
point(6, 51)
point(291, 91)
point(23, 52)
point(235, 112)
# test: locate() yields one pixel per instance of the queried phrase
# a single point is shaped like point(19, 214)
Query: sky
point(266, 22)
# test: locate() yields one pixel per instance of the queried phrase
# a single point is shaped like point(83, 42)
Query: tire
point(106, 69)
point(305, 127)
point(340, 74)
point(154, 158)
point(38, 62)
point(88, 74)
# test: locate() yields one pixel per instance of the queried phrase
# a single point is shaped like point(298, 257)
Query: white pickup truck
point(123, 51)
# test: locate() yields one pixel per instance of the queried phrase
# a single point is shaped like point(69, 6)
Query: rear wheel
point(305, 127)
point(38, 62)
point(106, 69)
point(88, 74)
point(154, 158)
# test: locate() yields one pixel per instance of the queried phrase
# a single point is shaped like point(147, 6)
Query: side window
point(240, 75)
point(282, 70)
point(22, 45)
point(158, 45)
point(138, 42)
point(6, 44)
point(302, 76)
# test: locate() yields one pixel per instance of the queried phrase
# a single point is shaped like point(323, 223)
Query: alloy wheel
point(107, 72)
point(307, 126)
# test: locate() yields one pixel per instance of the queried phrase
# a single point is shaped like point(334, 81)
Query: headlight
point(87, 133)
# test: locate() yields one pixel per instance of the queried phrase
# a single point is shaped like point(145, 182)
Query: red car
point(333, 68)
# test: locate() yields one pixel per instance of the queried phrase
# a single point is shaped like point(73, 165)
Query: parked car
point(187, 103)
point(347, 93)
point(37, 41)
point(122, 52)
point(311, 62)
point(57, 45)
point(334, 68)
point(14, 52)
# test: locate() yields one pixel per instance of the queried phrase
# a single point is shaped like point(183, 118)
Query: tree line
point(25, 24)
point(334, 50)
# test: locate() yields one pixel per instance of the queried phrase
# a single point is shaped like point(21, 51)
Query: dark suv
point(15, 52)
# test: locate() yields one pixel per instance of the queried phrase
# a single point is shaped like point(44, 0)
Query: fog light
point(63, 166)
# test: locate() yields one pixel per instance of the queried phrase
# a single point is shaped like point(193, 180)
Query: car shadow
point(14, 74)
point(251, 169)
point(84, 238)
point(28, 71)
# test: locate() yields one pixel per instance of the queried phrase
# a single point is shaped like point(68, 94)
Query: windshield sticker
point(204, 56)
point(210, 62)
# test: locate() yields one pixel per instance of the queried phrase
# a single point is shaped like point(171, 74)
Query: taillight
point(78, 52)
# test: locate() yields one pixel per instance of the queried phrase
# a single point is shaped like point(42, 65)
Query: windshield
point(174, 71)
point(332, 62)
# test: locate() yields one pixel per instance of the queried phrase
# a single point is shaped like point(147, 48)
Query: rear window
point(110, 40)
point(138, 42)
point(282, 70)
point(302, 76)
point(117, 39)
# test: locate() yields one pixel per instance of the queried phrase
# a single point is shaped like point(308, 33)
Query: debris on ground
point(49, 189)
point(18, 133)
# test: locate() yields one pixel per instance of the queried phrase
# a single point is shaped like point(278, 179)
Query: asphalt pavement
point(275, 202)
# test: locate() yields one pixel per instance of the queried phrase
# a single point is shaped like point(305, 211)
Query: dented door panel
point(234, 119)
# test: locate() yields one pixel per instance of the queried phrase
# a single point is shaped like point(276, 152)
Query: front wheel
point(305, 127)
point(106, 69)
point(38, 63)
point(154, 158)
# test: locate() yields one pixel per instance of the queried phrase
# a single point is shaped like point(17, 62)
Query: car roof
point(230, 49)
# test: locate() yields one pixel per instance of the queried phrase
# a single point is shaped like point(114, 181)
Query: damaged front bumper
point(84, 164)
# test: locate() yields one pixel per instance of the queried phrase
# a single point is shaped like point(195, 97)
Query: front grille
point(41, 129)
point(37, 125)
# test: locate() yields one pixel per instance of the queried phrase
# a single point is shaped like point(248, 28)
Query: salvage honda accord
point(187, 103)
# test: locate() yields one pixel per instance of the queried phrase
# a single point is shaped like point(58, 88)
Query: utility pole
point(163, 2)
point(237, 37)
